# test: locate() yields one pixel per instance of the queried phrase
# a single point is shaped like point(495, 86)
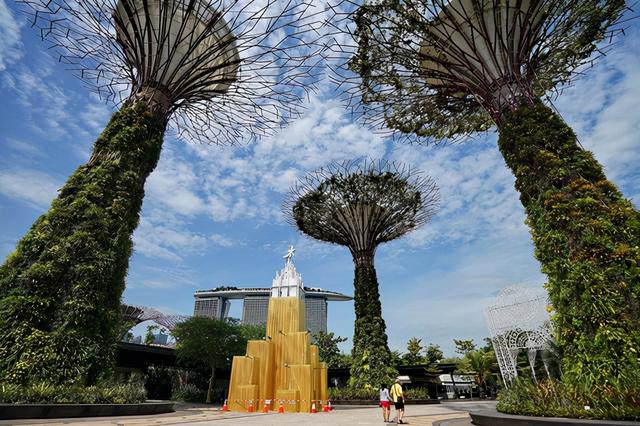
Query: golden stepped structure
point(284, 368)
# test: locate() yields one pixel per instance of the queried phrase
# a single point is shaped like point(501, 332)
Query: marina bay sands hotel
point(215, 304)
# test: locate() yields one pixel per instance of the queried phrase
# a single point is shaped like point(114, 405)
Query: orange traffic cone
point(250, 408)
point(265, 407)
point(313, 407)
point(281, 408)
point(225, 407)
point(326, 407)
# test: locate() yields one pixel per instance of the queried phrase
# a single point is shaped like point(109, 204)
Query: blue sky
point(212, 215)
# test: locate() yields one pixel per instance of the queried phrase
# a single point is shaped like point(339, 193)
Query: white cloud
point(35, 188)
point(446, 301)
point(603, 109)
point(166, 276)
point(174, 185)
point(250, 182)
point(10, 44)
point(169, 242)
point(222, 241)
point(476, 190)
point(23, 151)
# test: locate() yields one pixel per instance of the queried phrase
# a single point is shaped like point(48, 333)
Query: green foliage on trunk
point(60, 289)
point(586, 237)
point(371, 357)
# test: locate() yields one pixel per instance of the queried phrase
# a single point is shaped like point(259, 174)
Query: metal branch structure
point(360, 206)
point(223, 71)
point(518, 320)
point(139, 314)
point(436, 69)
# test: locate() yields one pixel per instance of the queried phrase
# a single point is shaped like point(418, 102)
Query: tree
point(414, 347)
point(464, 346)
point(208, 342)
point(480, 364)
point(149, 338)
point(328, 349)
point(361, 207)
point(396, 361)
point(445, 69)
point(220, 76)
point(252, 332)
point(433, 354)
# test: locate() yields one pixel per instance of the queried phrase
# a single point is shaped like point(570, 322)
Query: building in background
point(215, 304)
point(160, 339)
point(212, 307)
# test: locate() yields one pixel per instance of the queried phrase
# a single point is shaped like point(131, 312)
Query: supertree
point(436, 69)
point(360, 206)
point(219, 72)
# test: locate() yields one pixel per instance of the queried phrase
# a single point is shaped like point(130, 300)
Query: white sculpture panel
point(518, 320)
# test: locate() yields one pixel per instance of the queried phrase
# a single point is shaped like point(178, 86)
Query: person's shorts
point(385, 404)
point(399, 405)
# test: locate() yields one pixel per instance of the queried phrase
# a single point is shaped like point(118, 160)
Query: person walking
point(385, 402)
point(398, 400)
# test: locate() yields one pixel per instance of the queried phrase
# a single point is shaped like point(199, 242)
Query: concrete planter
point(48, 411)
point(494, 418)
point(372, 402)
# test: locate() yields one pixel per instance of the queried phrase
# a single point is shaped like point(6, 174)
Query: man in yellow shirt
point(398, 399)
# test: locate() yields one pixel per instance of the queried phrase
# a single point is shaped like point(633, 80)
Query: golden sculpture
point(282, 371)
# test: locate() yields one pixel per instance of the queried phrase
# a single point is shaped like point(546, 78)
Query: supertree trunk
point(587, 239)
point(371, 357)
point(60, 290)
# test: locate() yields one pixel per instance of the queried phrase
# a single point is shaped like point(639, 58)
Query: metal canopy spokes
point(226, 71)
point(443, 69)
point(362, 205)
point(140, 314)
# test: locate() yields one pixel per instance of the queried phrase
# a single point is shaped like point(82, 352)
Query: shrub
point(160, 382)
point(416, 393)
point(189, 393)
point(43, 393)
point(350, 394)
point(552, 398)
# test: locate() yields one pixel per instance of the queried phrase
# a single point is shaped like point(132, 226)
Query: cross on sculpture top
point(289, 254)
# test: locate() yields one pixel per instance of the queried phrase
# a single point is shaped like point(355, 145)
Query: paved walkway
point(447, 414)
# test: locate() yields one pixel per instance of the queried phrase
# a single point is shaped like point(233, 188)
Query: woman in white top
point(385, 402)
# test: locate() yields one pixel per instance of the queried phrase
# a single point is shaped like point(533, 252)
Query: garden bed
point(49, 411)
point(494, 418)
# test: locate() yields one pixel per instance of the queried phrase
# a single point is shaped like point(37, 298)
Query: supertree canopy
point(224, 71)
point(436, 69)
point(361, 207)
point(213, 71)
point(440, 68)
